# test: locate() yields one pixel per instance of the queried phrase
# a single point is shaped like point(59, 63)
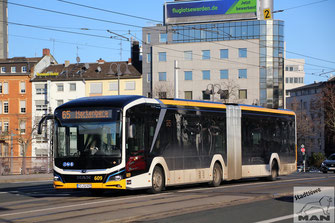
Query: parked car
point(328, 164)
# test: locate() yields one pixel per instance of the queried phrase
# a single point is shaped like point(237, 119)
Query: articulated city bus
point(133, 142)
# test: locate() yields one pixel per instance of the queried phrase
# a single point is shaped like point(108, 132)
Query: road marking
point(248, 184)
point(38, 181)
point(152, 195)
point(282, 218)
point(83, 204)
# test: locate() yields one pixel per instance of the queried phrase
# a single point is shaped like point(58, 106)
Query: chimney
point(46, 52)
point(66, 63)
point(129, 61)
point(135, 56)
point(101, 61)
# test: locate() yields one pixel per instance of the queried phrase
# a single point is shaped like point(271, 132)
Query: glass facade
point(217, 31)
point(270, 36)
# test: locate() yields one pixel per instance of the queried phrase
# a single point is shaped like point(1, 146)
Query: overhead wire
point(65, 42)
point(85, 17)
point(109, 11)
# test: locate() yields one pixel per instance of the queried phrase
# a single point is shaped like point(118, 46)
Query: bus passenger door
point(234, 153)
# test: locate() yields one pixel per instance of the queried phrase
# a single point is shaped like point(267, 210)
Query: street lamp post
point(211, 91)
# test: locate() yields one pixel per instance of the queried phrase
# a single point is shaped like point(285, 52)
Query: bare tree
point(230, 87)
point(328, 101)
point(163, 90)
point(306, 127)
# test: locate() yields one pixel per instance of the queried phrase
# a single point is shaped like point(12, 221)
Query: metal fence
point(25, 165)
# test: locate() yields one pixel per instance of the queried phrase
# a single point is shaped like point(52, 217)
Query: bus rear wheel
point(274, 171)
point(157, 180)
point(217, 175)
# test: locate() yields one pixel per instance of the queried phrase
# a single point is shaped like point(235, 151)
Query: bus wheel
point(158, 181)
point(274, 171)
point(217, 175)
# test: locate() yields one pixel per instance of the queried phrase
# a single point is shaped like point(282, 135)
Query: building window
point(223, 74)
point(5, 88)
point(206, 54)
point(113, 86)
point(148, 57)
point(24, 69)
point(22, 127)
point(224, 53)
point(188, 75)
point(130, 85)
point(73, 87)
point(162, 56)
point(22, 106)
point(5, 107)
point(188, 95)
point(22, 87)
point(60, 87)
point(242, 94)
point(41, 88)
point(0, 107)
point(291, 68)
point(60, 102)
point(0, 88)
point(6, 127)
point(149, 77)
point(188, 55)
point(242, 52)
point(224, 95)
point(13, 69)
point(242, 73)
point(206, 75)
point(291, 80)
point(3, 69)
point(96, 88)
point(286, 80)
point(205, 96)
point(41, 105)
point(148, 38)
point(301, 80)
point(162, 76)
point(162, 94)
point(162, 37)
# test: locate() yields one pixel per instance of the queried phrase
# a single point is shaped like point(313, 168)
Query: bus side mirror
point(45, 118)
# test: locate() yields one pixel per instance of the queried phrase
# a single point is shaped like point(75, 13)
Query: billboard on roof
point(201, 8)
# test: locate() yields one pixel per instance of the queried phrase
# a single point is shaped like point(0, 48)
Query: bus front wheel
point(217, 175)
point(158, 181)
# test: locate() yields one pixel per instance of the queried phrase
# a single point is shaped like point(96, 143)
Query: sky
point(309, 30)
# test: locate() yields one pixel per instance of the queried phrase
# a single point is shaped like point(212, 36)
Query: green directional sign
point(242, 6)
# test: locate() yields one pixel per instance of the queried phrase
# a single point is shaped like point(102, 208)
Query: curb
point(25, 178)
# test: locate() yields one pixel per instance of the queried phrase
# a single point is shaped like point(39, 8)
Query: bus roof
point(117, 101)
point(209, 104)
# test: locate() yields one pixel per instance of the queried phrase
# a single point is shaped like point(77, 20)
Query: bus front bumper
point(109, 185)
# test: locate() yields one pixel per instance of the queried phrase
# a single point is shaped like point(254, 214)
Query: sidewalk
point(26, 178)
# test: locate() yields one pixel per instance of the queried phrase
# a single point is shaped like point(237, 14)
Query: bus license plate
point(84, 186)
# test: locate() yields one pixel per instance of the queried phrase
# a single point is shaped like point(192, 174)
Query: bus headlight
point(115, 178)
point(57, 178)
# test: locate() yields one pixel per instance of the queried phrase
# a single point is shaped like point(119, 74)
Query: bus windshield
point(91, 144)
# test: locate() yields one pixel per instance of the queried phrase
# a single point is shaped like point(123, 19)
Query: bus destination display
point(87, 114)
